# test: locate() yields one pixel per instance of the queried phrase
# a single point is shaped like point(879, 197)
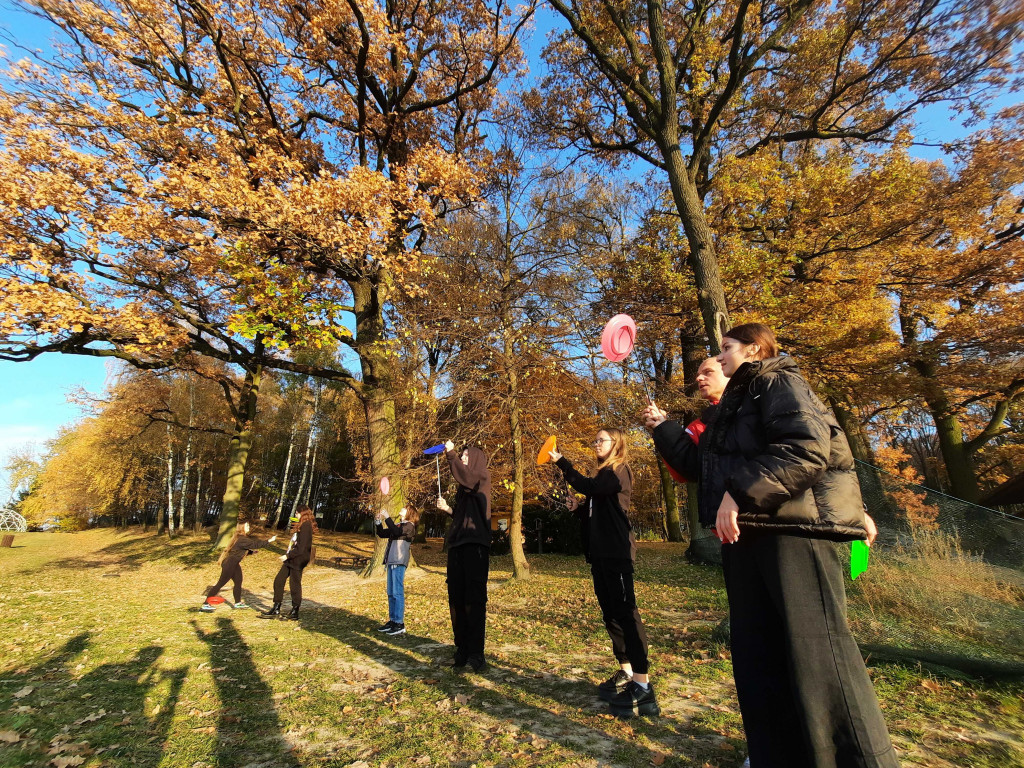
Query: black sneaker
point(386, 627)
point(477, 662)
point(613, 686)
point(397, 629)
point(635, 701)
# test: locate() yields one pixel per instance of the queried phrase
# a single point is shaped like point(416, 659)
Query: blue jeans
point(396, 593)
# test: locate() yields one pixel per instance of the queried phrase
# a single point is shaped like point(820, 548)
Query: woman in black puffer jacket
point(776, 481)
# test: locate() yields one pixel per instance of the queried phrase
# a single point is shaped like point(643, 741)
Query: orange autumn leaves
point(184, 169)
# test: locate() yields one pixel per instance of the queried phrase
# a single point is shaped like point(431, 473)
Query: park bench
point(351, 561)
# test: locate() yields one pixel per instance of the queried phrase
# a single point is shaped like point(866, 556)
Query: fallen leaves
point(24, 692)
point(10, 737)
point(91, 718)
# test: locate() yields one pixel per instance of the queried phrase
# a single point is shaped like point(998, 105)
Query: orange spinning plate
point(549, 445)
point(215, 600)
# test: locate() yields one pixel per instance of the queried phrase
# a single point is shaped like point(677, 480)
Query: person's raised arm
point(464, 474)
point(604, 483)
point(672, 442)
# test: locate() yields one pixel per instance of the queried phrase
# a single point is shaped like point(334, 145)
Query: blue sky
point(34, 396)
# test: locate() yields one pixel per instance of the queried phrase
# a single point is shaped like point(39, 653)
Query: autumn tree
point(894, 279)
point(653, 284)
point(685, 87)
point(521, 259)
point(238, 182)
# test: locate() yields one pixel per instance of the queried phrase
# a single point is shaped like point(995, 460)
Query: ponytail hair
point(231, 544)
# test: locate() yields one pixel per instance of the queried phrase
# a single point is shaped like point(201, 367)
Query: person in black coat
point(293, 562)
point(231, 566)
point(777, 482)
point(610, 548)
point(396, 560)
point(469, 545)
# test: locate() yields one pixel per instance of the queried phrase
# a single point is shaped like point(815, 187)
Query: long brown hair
point(239, 525)
point(619, 454)
point(305, 515)
point(756, 333)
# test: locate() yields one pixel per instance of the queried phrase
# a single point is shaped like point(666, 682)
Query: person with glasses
point(610, 548)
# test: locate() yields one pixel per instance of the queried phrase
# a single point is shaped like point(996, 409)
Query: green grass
point(105, 661)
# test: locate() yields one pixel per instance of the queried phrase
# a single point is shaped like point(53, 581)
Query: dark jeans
point(468, 566)
point(613, 586)
point(293, 575)
point(805, 695)
point(230, 570)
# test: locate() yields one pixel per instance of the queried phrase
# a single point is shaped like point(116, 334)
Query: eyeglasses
point(601, 440)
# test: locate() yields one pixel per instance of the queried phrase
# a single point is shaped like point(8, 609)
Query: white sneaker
point(206, 608)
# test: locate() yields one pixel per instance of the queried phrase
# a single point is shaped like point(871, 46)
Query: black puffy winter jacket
point(775, 447)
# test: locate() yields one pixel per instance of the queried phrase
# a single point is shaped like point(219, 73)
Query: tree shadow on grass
point(103, 712)
point(132, 552)
point(186, 552)
point(507, 694)
point(248, 730)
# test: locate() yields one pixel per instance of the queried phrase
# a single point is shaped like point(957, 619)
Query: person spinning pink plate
point(776, 479)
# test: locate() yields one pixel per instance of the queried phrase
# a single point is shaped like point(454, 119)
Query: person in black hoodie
point(610, 548)
point(231, 566)
point(293, 562)
point(396, 560)
point(776, 480)
point(469, 543)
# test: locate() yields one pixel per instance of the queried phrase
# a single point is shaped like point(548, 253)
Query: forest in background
point(322, 237)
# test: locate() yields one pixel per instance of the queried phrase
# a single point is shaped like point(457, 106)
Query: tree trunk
point(170, 484)
point(309, 447)
point(284, 480)
point(701, 257)
point(963, 479)
point(238, 455)
point(198, 522)
point(957, 458)
point(385, 460)
point(873, 493)
point(520, 566)
point(188, 456)
point(312, 471)
point(668, 491)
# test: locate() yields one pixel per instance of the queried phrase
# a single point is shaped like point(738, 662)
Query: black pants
point(613, 586)
point(230, 570)
point(468, 567)
point(293, 575)
point(805, 695)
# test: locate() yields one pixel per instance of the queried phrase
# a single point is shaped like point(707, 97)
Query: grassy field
point(106, 661)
